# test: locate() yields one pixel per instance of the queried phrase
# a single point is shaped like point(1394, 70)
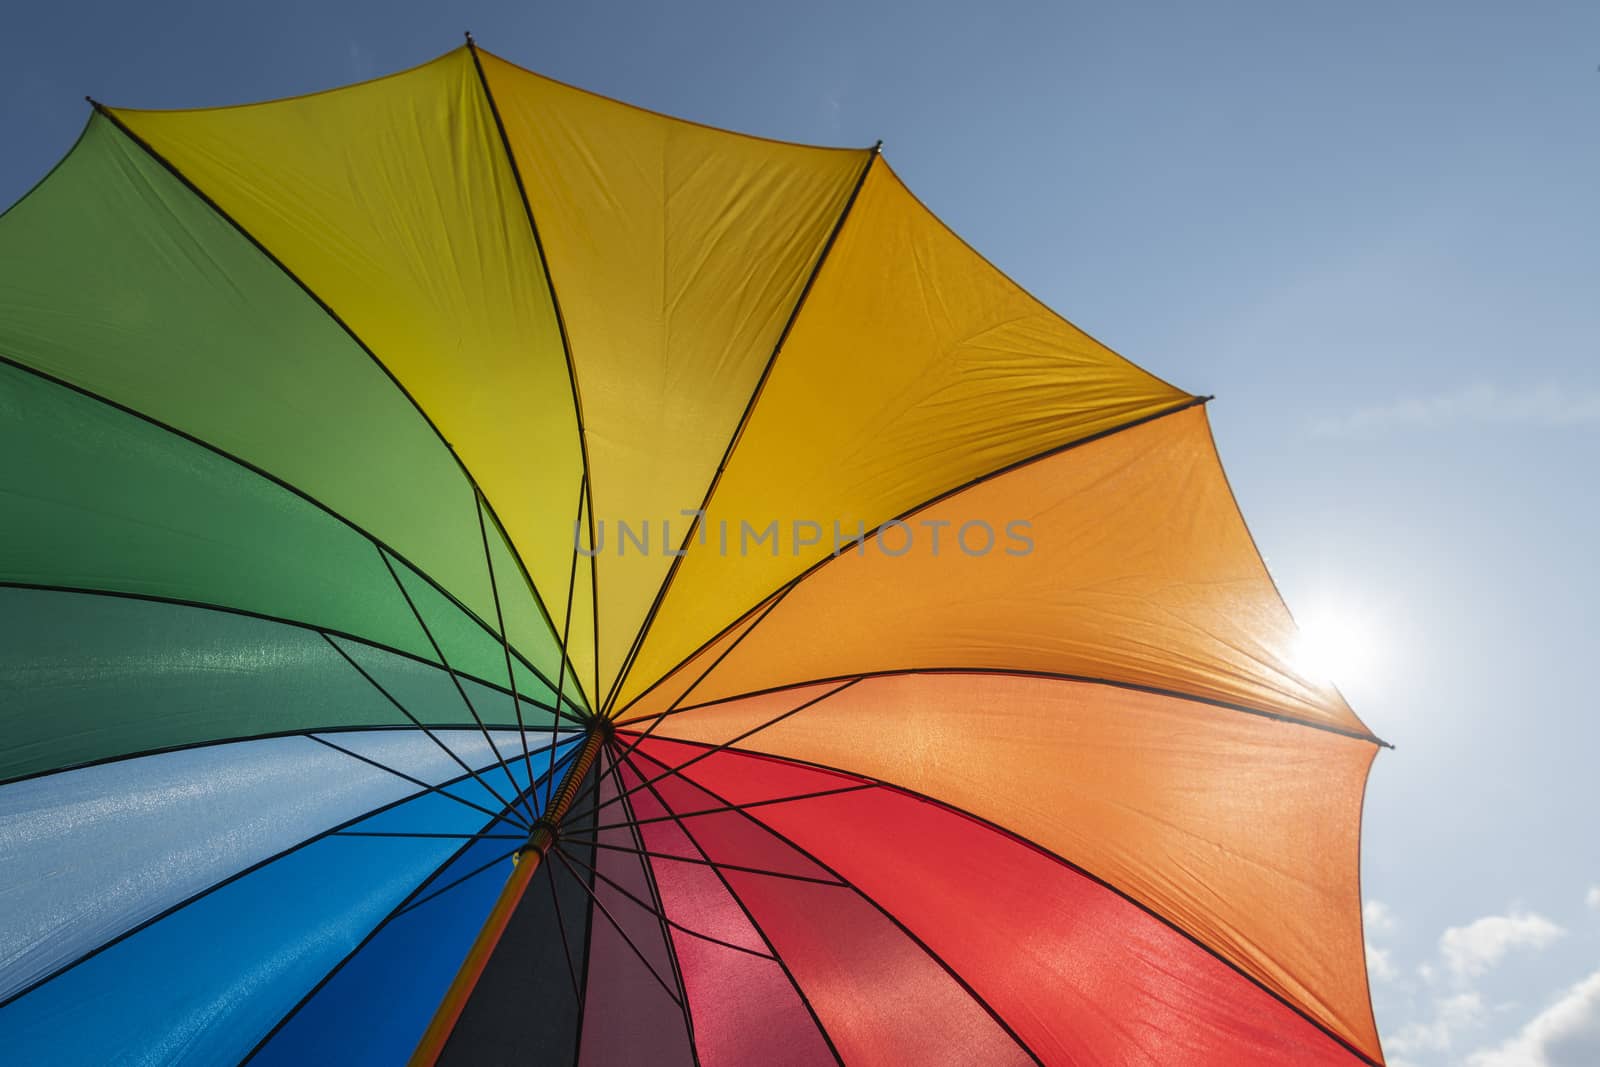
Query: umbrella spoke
point(403, 775)
point(660, 905)
point(702, 862)
point(599, 905)
point(456, 681)
point(561, 925)
point(505, 639)
point(741, 807)
point(659, 914)
point(816, 1020)
point(731, 741)
point(446, 749)
point(566, 624)
point(799, 850)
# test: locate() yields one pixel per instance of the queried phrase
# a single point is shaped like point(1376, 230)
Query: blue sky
point(1372, 233)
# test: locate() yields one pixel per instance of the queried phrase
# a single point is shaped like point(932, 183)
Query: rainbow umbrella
point(490, 574)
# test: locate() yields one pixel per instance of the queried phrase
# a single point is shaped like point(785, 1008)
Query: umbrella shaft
point(539, 842)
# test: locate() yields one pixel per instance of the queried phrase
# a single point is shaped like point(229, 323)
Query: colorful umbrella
point(491, 574)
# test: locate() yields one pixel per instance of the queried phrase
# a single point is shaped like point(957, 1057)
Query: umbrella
point(492, 574)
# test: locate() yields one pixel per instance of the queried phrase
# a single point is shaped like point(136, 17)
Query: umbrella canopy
point(491, 574)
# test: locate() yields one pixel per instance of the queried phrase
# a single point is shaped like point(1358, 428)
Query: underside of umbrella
point(492, 574)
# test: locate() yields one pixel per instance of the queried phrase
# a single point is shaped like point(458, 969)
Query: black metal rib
point(280, 483)
point(461, 880)
point(566, 348)
point(410, 903)
point(739, 427)
point(425, 836)
point(740, 807)
point(446, 749)
point(656, 717)
point(505, 642)
point(561, 925)
point(735, 740)
point(794, 983)
point(661, 908)
point(588, 932)
point(701, 862)
point(878, 783)
point(208, 890)
point(661, 915)
point(428, 632)
point(788, 584)
point(403, 775)
point(599, 904)
point(932, 955)
point(566, 624)
point(355, 338)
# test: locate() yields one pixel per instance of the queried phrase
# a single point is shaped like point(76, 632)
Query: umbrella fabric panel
point(1083, 974)
point(373, 1007)
point(91, 853)
point(914, 367)
point(879, 995)
point(98, 499)
point(395, 203)
point(744, 1005)
point(678, 253)
point(217, 342)
point(526, 978)
point(90, 677)
point(1139, 570)
point(633, 997)
point(1240, 830)
point(209, 980)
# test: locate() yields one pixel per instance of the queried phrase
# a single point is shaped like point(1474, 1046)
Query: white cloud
point(1593, 897)
point(1473, 949)
point(1566, 1034)
point(1378, 918)
point(1379, 967)
point(1476, 405)
point(1451, 1015)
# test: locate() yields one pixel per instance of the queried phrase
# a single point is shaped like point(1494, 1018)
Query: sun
point(1337, 644)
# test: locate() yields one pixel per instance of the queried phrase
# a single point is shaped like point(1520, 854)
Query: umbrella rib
point(355, 338)
point(588, 932)
point(410, 903)
point(208, 890)
point(739, 427)
point(794, 983)
point(741, 807)
point(211, 742)
point(1017, 672)
point(772, 603)
point(660, 905)
point(561, 926)
point(735, 740)
point(446, 749)
point(275, 480)
point(505, 642)
point(566, 625)
point(784, 587)
point(878, 783)
point(566, 345)
point(934, 956)
point(659, 914)
point(767, 872)
point(427, 632)
point(419, 835)
point(600, 905)
point(402, 774)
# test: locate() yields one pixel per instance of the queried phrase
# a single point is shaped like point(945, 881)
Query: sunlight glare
point(1335, 646)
